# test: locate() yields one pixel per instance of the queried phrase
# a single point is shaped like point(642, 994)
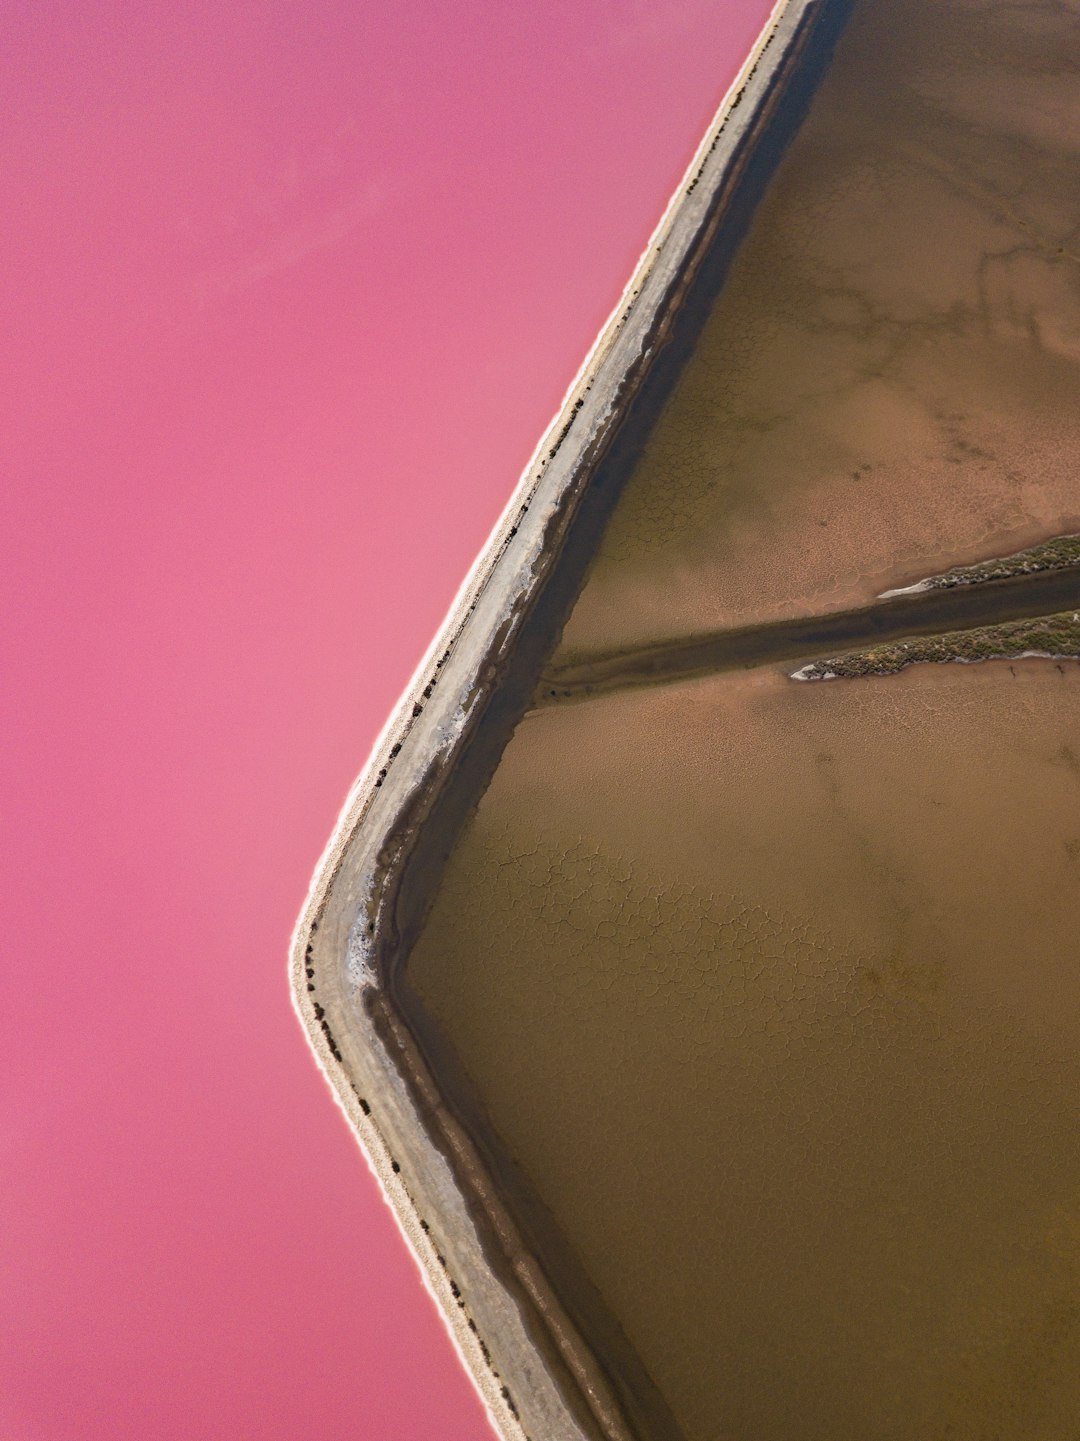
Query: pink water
point(288, 294)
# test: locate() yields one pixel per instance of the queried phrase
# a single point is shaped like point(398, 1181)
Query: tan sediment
point(887, 385)
point(773, 995)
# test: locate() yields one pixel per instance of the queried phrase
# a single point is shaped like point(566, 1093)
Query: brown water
point(777, 1002)
point(928, 613)
point(771, 993)
point(888, 384)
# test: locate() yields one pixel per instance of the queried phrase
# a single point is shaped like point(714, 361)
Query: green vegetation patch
point(1056, 554)
point(1056, 637)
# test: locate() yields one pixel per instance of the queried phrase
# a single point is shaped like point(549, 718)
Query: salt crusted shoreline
point(536, 1375)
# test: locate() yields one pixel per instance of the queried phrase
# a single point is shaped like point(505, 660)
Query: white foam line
point(919, 586)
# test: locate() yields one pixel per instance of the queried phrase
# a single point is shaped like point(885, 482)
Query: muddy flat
point(772, 995)
point(887, 385)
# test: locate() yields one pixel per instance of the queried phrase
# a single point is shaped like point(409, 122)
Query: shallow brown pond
point(763, 999)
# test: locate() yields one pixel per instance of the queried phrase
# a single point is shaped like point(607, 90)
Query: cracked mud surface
point(771, 993)
point(887, 385)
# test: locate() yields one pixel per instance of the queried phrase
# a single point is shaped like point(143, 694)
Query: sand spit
point(1051, 637)
point(1058, 553)
point(537, 1375)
